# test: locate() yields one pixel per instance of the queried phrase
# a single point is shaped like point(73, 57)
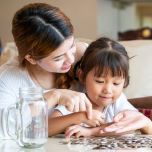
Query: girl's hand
point(74, 101)
point(130, 120)
point(77, 131)
point(97, 119)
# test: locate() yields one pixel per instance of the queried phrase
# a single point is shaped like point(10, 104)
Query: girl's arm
point(58, 123)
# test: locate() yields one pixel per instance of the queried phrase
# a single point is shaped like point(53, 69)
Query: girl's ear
point(30, 59)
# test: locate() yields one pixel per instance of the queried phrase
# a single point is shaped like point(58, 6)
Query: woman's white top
point(12, 77)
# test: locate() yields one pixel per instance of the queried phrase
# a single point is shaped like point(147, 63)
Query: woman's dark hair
point(38, 29)
point(106, 55)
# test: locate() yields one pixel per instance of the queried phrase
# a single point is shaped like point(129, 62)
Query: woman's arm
point(129, 120)
point(74, 101)
point(79, 131)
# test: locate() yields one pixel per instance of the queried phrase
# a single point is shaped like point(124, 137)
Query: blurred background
point(117, 19)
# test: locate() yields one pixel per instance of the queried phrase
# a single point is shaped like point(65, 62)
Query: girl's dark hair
point(106, 55)
point(38, 29)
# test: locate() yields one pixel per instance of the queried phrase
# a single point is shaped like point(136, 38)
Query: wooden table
point(55, 144)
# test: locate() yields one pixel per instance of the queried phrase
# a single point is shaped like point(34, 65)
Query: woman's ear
point(80, 75)
point(30, 59)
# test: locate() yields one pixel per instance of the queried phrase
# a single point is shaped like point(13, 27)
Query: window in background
point(145, 15)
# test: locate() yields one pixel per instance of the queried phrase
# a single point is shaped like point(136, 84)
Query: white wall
point(81, 12)
point(107, 19)
point(128, 18)
point(90, 18)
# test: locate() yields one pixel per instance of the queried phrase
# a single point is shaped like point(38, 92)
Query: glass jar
point(31, 118)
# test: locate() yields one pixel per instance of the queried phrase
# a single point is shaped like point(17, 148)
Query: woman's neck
point(41, 77)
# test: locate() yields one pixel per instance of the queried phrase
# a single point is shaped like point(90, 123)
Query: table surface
point(57, 144)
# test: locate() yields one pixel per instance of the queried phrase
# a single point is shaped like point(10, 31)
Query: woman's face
point(60, 60)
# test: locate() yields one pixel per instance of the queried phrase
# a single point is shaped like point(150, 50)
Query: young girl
point(103, 72)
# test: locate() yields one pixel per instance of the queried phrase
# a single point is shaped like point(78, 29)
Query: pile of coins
point(123, 142)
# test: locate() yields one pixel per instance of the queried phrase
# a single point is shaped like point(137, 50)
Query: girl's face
point(103, 90)
point(60, 60)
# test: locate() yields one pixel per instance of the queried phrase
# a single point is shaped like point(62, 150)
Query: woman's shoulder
point(11, 73)
point(9, 69)
point(80, 49)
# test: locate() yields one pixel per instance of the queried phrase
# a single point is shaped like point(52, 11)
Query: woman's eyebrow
point(58, 56)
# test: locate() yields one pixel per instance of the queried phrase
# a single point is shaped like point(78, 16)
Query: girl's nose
point(107, 89)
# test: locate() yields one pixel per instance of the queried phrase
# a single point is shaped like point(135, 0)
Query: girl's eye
point(116, 84)
point(99, 81)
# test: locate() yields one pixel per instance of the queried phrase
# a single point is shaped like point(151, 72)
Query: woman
point(46, 51)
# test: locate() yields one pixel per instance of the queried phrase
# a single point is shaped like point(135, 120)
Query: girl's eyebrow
point(63, 53)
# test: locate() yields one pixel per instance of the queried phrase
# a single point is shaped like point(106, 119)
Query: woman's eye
point(58, 59)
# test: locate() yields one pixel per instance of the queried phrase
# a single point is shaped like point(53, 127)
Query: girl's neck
point(95, 107)
point(41, 77)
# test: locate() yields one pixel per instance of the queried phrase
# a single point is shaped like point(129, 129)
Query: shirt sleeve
point(62, 109)
point(122, 104)
point(119, 105)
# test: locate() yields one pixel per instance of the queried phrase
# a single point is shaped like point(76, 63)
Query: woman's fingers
point(118, 117)
point(75, 101)
point(88, 108)
point(128, 121)
point(82, 105)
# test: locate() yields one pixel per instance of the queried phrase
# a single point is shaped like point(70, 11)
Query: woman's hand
point(74, 101)
point(129, 120)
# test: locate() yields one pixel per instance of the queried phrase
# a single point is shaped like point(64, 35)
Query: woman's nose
point(70, 56)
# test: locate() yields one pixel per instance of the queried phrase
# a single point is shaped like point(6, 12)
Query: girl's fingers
point(78, 134)
point(71, 130)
